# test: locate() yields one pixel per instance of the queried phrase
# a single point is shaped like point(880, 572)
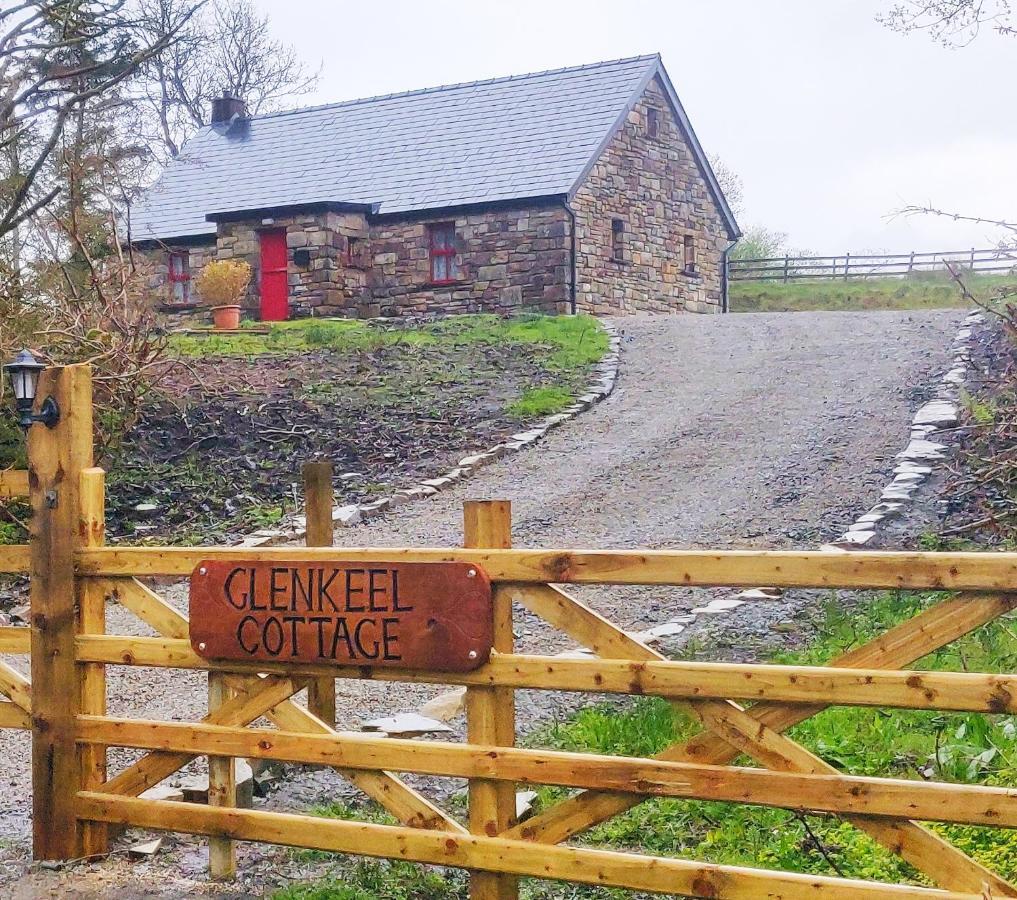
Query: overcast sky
point(832, 121)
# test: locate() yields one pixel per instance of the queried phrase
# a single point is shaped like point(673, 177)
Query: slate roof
point(526, 136)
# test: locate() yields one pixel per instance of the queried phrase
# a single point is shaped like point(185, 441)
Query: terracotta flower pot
point(226, 318)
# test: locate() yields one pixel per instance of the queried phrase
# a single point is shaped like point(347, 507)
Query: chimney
point(226, 109)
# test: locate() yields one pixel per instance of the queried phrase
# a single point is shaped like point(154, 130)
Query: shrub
point(223, 281)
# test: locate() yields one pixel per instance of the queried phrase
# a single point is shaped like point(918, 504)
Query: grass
point(931, 291)
point(572, 341)
point(539, 401)
point(958, 748)
point(366, 879)
point(370, 880)
point(395, 402)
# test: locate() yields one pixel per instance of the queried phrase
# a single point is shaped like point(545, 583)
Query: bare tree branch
point(956, 217)
point(953, 23)
point(229, 49)
point(55, 57)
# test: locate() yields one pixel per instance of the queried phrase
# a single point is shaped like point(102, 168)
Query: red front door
point(275, 293)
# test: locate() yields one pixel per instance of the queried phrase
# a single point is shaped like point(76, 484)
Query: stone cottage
point(577, 190)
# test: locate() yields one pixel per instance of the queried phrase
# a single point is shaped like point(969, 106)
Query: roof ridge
point(647, 57)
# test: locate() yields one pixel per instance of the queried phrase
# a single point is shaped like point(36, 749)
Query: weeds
point(395, 403)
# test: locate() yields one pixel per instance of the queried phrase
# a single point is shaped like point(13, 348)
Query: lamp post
point(24, 374)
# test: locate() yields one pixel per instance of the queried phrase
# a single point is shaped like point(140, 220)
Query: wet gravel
point(740, 431)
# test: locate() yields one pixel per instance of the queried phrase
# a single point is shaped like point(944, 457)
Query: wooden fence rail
point(74, 576)
point(793, 268)
point(13, 483)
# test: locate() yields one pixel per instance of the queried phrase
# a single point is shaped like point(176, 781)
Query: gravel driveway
point(751, 430)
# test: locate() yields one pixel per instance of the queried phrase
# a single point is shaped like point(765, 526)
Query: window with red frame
point(444, 268)
point(180, 276)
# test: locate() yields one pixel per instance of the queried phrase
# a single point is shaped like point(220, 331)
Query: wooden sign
point(431, 616)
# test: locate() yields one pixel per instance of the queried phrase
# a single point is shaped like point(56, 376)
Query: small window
point(353, 253)
point(690, 253)
point(444, 268)
point(617, 240)
point(652, 122)
point(180, 276)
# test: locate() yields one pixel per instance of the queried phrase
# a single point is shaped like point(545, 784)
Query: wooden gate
point(744, 709)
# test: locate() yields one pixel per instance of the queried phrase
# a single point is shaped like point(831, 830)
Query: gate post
point(92, 620)
point(56, 458)
point(491, 711)
point(318, 501)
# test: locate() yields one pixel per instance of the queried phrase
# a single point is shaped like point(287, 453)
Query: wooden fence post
point(222, 789)
point(847, 265)
point(56, 458)
point(491, 712)
point(92, 620)
point(318, 500)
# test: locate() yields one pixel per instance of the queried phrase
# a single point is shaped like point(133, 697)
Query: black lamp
point(24, 374)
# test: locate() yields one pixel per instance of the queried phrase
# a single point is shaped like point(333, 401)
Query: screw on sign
point(433, 616)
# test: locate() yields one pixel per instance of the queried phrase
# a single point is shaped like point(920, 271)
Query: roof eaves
point(734, 232)
point(657, 68)
point(166, 243)
point(465, 208)
point(232, 215)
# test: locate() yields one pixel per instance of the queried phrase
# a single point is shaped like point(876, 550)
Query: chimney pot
point(226, 107)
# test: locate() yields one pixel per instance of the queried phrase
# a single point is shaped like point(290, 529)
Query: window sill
point(694, 274)
point(450, 283)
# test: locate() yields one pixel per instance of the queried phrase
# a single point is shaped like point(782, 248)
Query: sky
point(833, 122)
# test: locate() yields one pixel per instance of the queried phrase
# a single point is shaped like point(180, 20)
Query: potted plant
point(221, 284)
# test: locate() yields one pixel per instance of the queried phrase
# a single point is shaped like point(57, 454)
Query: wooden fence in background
point(793, 268)
point(76, 798)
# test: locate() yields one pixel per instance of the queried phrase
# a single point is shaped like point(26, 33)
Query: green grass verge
point(956, 748)
point(902, 744)
point(573, 341)
point(539, 401)
point(916, 292)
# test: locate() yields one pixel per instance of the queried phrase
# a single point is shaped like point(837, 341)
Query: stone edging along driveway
point(914, 466)
point(601, 385)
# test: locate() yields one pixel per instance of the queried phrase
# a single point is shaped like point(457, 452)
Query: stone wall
point(511, 259)
point(158, 280)
point(327, 285)
point(653, 185)
point(508, 260)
